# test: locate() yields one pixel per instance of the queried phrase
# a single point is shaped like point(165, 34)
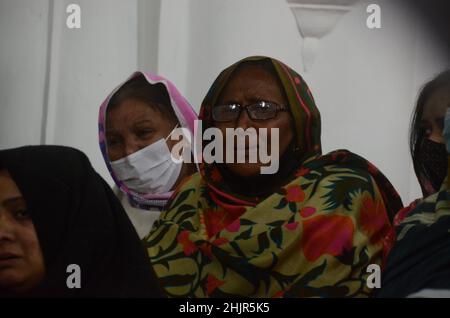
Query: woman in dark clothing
point(426, 141)
point(419, 263)
point(76, 219)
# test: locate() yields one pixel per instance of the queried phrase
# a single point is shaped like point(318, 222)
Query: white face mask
point(150, 170)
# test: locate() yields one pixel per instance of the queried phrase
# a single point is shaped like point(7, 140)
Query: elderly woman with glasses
point(309, 229)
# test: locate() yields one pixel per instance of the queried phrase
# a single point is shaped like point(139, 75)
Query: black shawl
point(78, 220)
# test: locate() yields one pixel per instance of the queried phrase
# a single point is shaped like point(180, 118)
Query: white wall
point(88, 63)
point(84, 66)
point(364, 81)
point(223, 32)
point(23, 51)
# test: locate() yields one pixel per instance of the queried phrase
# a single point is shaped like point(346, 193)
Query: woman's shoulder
point(404, 212)
point(337, 167)
point(341, 165)
point(341, 161)
point(343, 172)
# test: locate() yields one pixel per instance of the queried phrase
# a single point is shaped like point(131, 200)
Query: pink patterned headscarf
point(186, 117)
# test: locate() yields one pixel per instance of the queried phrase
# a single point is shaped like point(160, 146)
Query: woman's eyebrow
point(11, 202)
point(260, 98)
point(143, 121)
point(227, 102)
point(425, 120)
point(253, 96)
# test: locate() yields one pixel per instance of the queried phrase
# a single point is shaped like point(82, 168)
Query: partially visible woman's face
point(21, 262)
point(249, 85)
point(433, 116)
point(133, 125)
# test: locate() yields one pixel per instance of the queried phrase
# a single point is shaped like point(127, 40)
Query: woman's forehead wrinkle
point(258, 87)
point(129, 117)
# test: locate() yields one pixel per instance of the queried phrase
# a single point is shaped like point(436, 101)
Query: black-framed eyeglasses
point(261, 110)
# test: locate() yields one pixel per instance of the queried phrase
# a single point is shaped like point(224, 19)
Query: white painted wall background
point(23, 52)
point(52, 79)
point(88, 63)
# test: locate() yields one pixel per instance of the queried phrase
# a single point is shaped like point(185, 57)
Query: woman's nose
point(243, 121)
point(6, 227)
point(131, 146)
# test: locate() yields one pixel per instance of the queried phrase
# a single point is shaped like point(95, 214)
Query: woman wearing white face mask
point(136, 122)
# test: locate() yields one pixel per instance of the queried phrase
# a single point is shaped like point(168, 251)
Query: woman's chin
point(245, 170)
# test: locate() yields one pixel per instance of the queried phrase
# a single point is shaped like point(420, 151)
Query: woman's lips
point(8, 259)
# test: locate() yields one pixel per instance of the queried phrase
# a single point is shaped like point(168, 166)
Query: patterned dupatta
point(314, 236)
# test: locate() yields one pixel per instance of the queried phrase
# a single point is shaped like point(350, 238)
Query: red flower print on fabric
point(307, 211)
point(302, 171)
point(189, 247)
point(374, 220)
point(326, 234)
point(295, 193)
point(212, 283)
